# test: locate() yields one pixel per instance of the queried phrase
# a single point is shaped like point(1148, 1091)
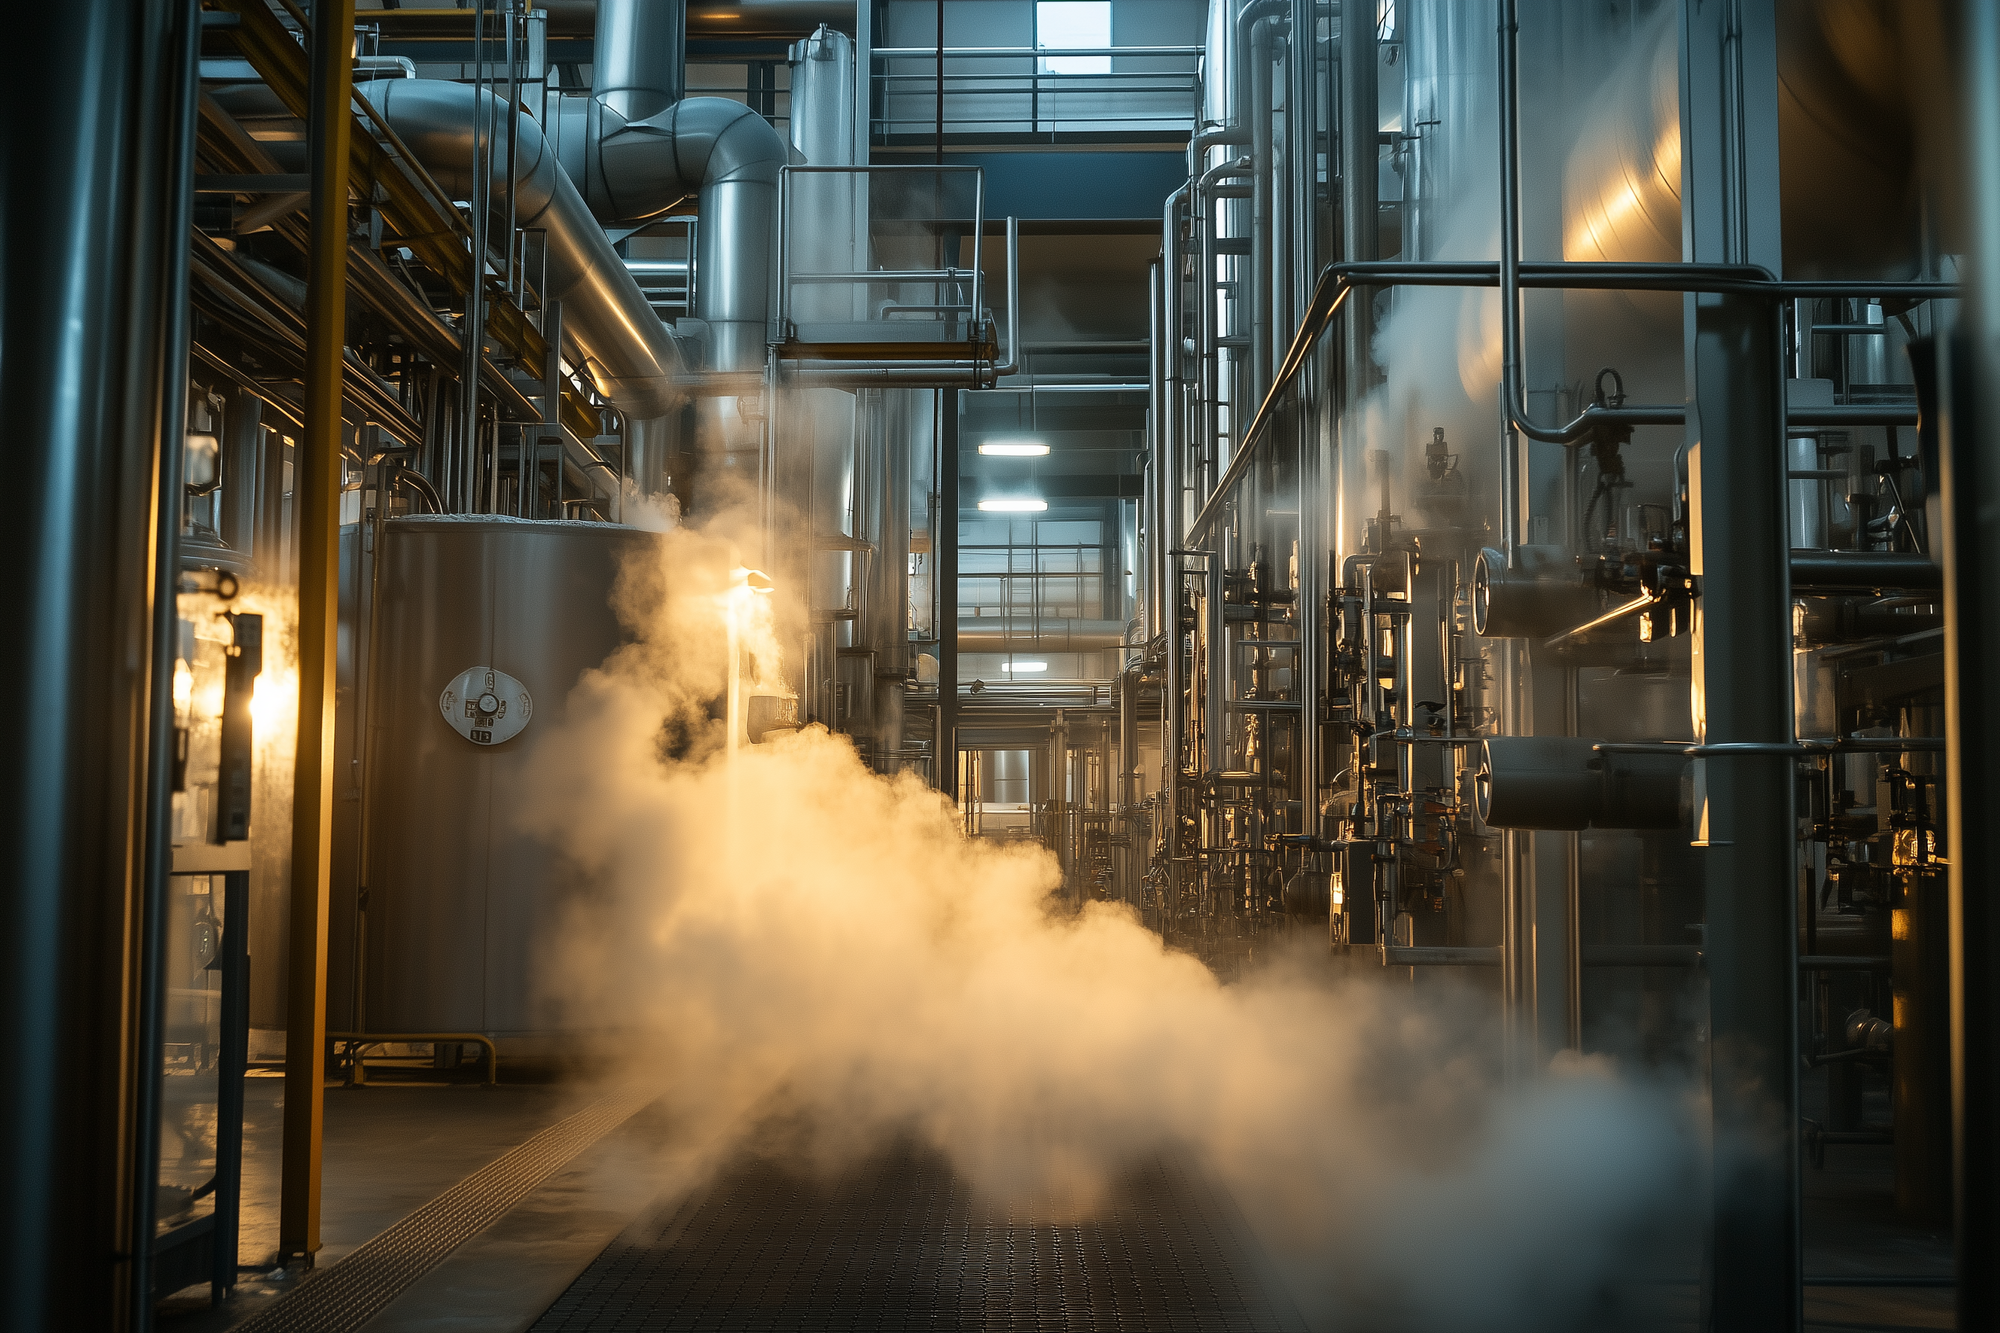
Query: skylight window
point(1068, 25)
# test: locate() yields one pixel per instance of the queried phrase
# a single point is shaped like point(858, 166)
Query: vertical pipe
point(1510, 279)
point(1972, 643)
point(181, 28)
point(329, 131)
point(473, 332)
point(1359, 126)
point(1742, 652)
point(892, 584)
point(640, 67)
point(1257, 104)
point(944, 542)
point(1215, 644)
point(1156, 406)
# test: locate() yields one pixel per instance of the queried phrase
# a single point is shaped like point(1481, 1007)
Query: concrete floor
point(390, 1149)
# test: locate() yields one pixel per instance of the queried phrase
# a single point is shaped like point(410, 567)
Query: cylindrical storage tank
point(461, 897)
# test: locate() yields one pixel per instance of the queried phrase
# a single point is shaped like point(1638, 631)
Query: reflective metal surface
point(631, 354)
point(461, 894)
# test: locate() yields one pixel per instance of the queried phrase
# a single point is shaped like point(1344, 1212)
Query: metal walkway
point(901, 1244)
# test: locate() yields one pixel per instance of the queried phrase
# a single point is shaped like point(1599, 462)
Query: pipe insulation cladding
point(635, 156)
point(632, 357)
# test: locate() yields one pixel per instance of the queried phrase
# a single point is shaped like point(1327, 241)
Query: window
point(1069, 25)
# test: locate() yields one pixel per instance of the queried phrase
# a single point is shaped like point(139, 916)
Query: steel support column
point(944, 546)
point(1742, 665)
point(92, 256)
point(318, 482)
point(1972, 643)
point(1360, 242)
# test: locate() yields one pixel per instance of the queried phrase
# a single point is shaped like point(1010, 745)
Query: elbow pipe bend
point(630, 354)
point(718, 150)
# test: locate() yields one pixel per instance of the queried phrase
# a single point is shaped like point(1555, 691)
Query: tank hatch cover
point(485, 706)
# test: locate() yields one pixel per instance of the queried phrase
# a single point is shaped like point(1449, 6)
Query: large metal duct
point(629, 168)
point(631, 355)
point(645, 71)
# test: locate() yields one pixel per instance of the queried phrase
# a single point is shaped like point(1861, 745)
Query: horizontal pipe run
point(1843, 571)
point(1027, 52)
point(1640, 955)
point(1722, 279)
point(1336, 280)
point(1440, 955)
point(896, 375)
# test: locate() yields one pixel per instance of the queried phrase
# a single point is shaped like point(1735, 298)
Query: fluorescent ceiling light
point(1023, 667)
point(1014, 449)
point(1016, 506)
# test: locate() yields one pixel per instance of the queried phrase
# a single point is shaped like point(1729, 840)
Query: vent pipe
point(639, 64)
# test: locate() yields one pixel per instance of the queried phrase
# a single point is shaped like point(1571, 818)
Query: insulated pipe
point(639, 61)
point(1013, 361)
point(1360, 166)
point(631, 355)
point(629, 167)
point(1510, 281)
point(89, 270)
point(1156, 399)
point(1173, 422)
point(892, 590)
point(1128, 737)
point(1250, 101)
point(1207, 350)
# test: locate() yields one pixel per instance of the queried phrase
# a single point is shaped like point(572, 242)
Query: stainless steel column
point(89, 252)
point(1359, 125)
point(890, 596)
point(1972, 644)
point(1742, 664)
point(944, 545)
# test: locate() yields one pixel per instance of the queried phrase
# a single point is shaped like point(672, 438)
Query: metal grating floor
point(901, 1244)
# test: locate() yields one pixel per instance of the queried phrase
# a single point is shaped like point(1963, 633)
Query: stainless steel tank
point(461, 900)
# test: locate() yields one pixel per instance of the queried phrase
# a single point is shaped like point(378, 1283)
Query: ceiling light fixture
point(1023, 668)
point(1014, 449)
point(1015, 506)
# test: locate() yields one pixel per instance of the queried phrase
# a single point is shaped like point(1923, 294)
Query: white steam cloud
point(788, 922)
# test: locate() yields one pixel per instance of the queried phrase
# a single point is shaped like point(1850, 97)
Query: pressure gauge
point(486, 706)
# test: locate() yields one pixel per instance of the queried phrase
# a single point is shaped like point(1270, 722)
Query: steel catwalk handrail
point(1337, 280)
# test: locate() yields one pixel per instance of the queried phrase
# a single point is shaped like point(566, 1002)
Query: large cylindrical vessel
point(462, 899)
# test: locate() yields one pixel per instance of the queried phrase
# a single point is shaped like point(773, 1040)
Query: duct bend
point(630, 354)
point(710, 147)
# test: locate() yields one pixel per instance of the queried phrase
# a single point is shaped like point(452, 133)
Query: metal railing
point(1034, 100)
point(952, 295)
